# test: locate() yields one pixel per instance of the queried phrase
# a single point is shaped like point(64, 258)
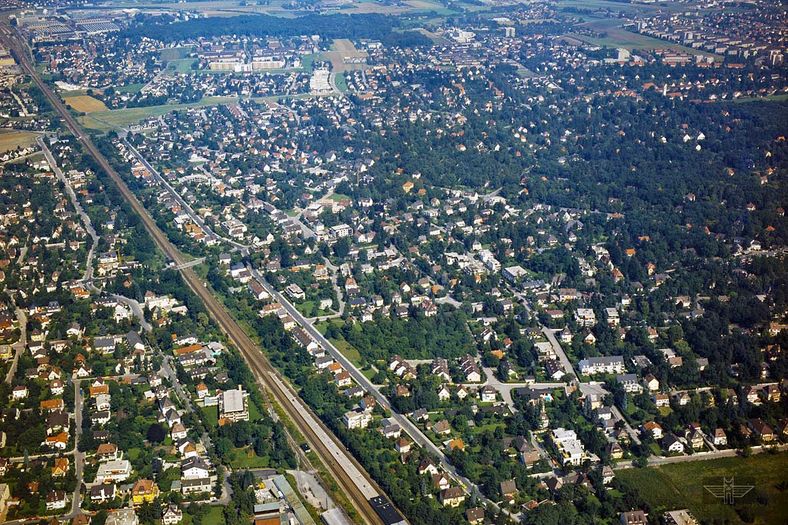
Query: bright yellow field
point(85, 103)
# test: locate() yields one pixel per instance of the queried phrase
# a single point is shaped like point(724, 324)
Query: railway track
point(261, 368)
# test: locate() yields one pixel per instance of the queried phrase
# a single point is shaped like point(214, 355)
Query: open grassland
point(11, 139)
point(680, 485)
point(119, 118)
point(85, 103)
point(616, 36)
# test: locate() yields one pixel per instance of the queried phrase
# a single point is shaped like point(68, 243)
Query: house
point(441, 481)
point(60, 469)
point(58, 441)
point(108, 452)
point(651, 383)
point(122, 517)
point(679, 517)
point(629, 382)
point(171, 515)
point(426, 466)
point(633, 517)
point(509, 490)
point(442, 427)
point(444, 394)
point(103, 492)
point(607, 475)
point(695, 439)
point(195, 468)
point(353, 419)
point(475, 516)
point(117, 470)
point(488, 394)
point(602, 365)
point(762, 430)
point(569, 446)
point(452, 497)
point(653, 428)
point(144, 491)
point(719, 438)
point(196, 486)
point(56, 500)
point(19, 392)
point(178, 431)
point(661, 400)
point(672, 445)
point(529, 455)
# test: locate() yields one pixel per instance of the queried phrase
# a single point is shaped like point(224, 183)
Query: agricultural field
point(341, 49)
point(680, 485)
point(85, 103)
point(10, 140)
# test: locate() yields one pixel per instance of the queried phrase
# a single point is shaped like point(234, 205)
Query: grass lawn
point(118, 118)
point(175, 53)
point(181, 65)
point(241, 458)
point(680, 485)
point(214, 516)
point(769, 98)
point(211, 415)
point(129, 88)
point(10, 140)
point(254, 413)
point(348, 350)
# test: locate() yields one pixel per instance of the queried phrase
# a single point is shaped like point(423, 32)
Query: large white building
point(232, 405)
point(613, 364)
point(570, 448)
point(113, 471)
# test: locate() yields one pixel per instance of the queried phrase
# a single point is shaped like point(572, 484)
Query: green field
point(175, 53)
point(211, 415)
point(341, 82)
point(782, 97)
point(241, 458)
point(130, 88)
point(680, 485)
point(181, 65)
point(119, 118)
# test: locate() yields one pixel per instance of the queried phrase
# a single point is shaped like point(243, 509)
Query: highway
point(304, 419)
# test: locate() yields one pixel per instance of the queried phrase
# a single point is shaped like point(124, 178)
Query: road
point(136, 309)
point(406, 424)
point(699, 456)
point(19, 346)
point(88, 276)
point(79, 457)
point(304, 419)
point(209, 233)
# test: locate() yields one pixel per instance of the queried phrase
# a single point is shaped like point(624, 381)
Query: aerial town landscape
point(393, 262)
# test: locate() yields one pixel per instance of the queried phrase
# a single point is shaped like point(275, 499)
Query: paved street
point(411, 429)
